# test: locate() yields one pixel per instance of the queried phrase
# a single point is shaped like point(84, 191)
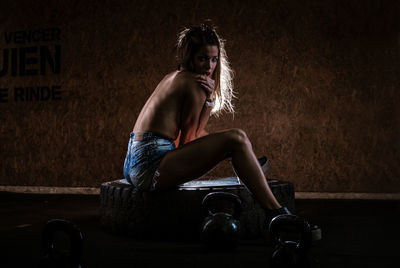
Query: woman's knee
point(238, 137)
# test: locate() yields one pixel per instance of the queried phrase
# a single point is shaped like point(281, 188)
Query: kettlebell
point(62, 243)
point(221, 230)
point(292, 237)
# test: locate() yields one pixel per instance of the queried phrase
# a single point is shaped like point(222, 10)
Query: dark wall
point(317, 87)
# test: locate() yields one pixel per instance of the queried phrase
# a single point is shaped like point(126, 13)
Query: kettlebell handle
point(279, 223)
point(67, 227)
point(222, 196)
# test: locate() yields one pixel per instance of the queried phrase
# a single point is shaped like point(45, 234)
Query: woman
point(168, 144)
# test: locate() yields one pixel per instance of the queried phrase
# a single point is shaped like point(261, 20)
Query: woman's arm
point(193, 116)
point(204, 116)
point(208, 85)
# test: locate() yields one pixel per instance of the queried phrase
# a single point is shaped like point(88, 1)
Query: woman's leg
point(196, 158)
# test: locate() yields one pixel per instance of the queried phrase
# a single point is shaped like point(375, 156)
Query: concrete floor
point(356, 233)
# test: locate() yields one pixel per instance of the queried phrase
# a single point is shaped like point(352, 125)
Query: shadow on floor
point(356, 233)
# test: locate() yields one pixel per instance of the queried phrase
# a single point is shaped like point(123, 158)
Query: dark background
point(317, 88)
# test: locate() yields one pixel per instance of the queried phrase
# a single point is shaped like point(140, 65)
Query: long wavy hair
point(190, 40)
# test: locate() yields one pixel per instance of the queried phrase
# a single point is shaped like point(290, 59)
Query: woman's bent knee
point(238, 137)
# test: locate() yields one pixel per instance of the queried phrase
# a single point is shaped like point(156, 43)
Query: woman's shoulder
point(183, 85)
point(181, 82)
point(190, 87)
point(185, 80)
point(177, 82)
point(184, 76)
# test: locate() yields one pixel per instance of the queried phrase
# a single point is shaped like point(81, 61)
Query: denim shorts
point(143, 158)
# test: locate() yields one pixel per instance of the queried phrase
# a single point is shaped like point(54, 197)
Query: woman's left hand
point(206, 83)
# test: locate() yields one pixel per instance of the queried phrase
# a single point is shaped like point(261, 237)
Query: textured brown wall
point(317, 83)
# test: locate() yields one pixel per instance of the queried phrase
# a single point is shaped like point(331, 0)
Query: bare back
point(162, 112)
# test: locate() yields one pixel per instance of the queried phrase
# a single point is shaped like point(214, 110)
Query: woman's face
point(205, 60)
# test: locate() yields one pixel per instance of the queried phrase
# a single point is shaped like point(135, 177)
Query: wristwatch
point(210, 103)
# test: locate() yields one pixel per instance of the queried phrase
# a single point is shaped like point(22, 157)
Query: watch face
point(209, 103)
